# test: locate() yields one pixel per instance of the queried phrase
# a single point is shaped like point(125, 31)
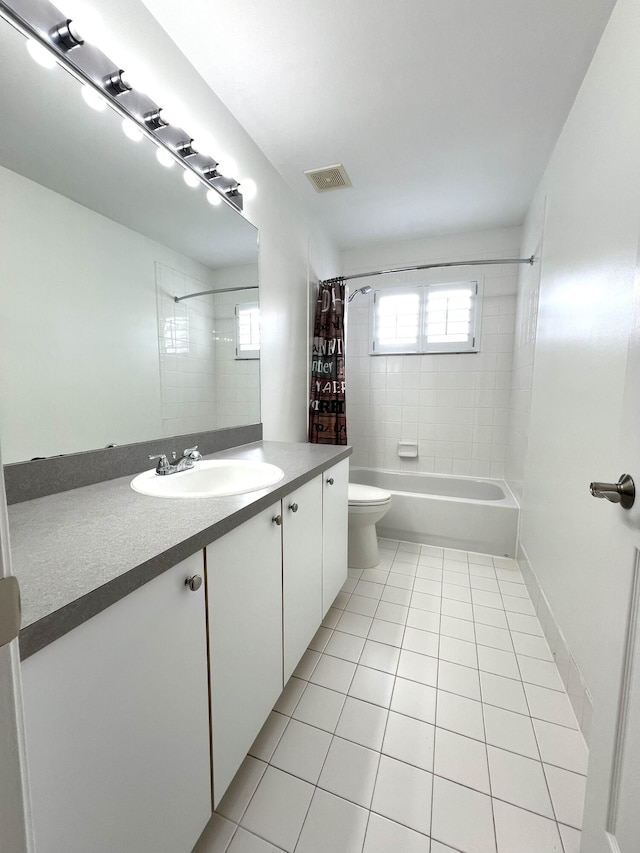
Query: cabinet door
point(244, 593)
point(117, 725)
point(301, 569)
point(335, 521)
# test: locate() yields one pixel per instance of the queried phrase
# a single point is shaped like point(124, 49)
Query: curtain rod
point(529, 261)
point(220, 290)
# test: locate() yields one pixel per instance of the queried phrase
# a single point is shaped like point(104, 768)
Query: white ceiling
point(444, 112)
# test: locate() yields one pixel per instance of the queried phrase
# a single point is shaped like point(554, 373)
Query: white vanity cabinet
point(335, 521)
point(244, 595)
point(117, 727)
point(301, 570)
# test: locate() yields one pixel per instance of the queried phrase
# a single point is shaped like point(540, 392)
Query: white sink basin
point(209, 479)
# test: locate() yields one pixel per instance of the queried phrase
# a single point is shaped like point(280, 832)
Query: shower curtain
point(327, 412)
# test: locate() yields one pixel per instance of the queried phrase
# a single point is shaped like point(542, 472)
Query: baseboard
point(579, 696)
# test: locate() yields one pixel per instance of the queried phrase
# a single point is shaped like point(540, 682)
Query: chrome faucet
point(186, 461)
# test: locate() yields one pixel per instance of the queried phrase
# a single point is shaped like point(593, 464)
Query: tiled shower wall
point(203, 386)
point(456, 406)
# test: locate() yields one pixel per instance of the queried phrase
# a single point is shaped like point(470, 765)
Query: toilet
point(367, 506)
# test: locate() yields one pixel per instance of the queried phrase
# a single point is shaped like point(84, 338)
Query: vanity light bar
point(42, 22)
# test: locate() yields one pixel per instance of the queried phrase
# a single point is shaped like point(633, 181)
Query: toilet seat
point(360, 495)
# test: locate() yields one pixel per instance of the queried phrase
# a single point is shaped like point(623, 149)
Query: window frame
point(250, 354)
point(422, 345)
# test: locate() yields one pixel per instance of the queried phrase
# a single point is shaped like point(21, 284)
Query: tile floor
point(427, 716)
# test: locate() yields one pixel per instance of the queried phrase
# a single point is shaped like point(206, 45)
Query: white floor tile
point(489, 616)
point(457, 609)
point(320, 639)
point(561, 747)
point(378, 576)
point(423, 601)
point(247, 842)
point(414, 700)
point(498, 662)
point(386, 632)
point(332, 824)
point(400, 580)
point(403, 793)
point(524, 624)
point(290, 696)
point(354, 623)
point(319, 707)
point(341, 600)
point(384, 836)
point(334, 673)
point(423, 620)
point(517, 589)
point(496, 638)
point(389, 612)
point(459, 714)
point(489, 584)
point(423, 642)
point(461, 759)
point(396, 595)
point(307, 664)
point(373, 686)
point(475, 833)
point(362, 605)
point(503, 693)
point(264, 745)
point(428, 586)
point(456, 578)
point(409, 740)
point(302, 751)
point(417, 667)
point(476, 570)
point(216, 835)
point(458, 651)
point(456, 592)
point(350, 771)
point(518, 604)
point(461, 629)
point(541, 672)
point(331, 617)
point(570, 839)
point(349, 585)
point(363, 723)
point(520, 831)
point(368, 589)
point(510, 575)
point(380, 656)
point(458, 679)
point(437, 847)
point(429, 571)
point(482, 598)
point(550, 705)
point(533, 647)
point(567, 793)
point(519, 780)
point(345, 646)
point(510, 731)
point(266, 817)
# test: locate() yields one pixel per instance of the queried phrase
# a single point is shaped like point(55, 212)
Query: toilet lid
point(360, 495)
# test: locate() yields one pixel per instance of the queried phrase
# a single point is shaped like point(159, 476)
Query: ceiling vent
point(329, 178)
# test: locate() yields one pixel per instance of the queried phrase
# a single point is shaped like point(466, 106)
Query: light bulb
point(214, 198)
point(227, 166)
point(93, 99)
point(88, 21)
point(248, 188)
point(131, 130)
point(190, 178)
point(164, 158)
point(40, 54)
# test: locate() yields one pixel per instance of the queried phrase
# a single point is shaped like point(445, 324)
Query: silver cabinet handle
point(330, 481)
point(194, 582)
point(623, 492)
point(277, 519)
point(293, 507)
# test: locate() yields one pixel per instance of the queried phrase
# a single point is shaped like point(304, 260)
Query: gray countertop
point(77, 552)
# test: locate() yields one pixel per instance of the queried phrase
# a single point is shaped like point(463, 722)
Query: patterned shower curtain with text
point(327, 411)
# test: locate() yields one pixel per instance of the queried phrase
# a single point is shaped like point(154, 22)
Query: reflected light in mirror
point(164, 158)
point(93, 99)
point(191, 179)
point(40, 54)
point(213, 197)
point(131, 130)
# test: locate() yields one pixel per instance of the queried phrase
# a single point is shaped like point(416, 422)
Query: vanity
point(138, 717)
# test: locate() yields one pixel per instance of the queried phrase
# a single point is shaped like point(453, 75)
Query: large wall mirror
point(97, 240)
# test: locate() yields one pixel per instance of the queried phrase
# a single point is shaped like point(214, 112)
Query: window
point(427, 318)
point(248, 330)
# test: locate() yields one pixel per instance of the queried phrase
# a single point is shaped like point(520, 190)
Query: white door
point(15, 832)
point(612, 807)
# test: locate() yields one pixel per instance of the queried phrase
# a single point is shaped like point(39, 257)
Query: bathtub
point(453, 512)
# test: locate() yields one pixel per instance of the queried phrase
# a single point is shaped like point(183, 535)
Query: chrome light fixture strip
point(43, 22)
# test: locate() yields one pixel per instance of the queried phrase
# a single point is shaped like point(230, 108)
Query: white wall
point(293, 250)
point(588, 207)
point(456, 406)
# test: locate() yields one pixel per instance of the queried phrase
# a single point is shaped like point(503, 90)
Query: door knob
point(277, 519)
point(194, 583)
point(293, 507)
point(623, 492)
point(330, 481)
